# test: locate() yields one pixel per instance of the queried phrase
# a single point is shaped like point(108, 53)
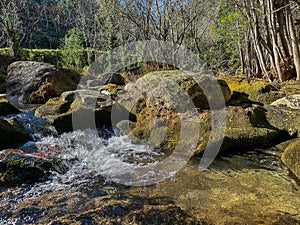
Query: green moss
point(254, 89)
point(3, 100)
point(18, 163)
point(291, 157)
point(52, 56)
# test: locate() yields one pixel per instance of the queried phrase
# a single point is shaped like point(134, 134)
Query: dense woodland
point(258, 38)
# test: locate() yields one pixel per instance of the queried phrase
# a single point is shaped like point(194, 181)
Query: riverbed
point(243, 188)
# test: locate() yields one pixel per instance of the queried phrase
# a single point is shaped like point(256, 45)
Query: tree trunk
point(295, 44)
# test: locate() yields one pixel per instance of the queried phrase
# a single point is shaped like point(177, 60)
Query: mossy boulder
point(12, 133)
point(6, 108)
point(58, 113)
point(249, 124)
point(43, 94)
point(247, 128)
point(291, 157)
point(291, 87)
point(177, 88)
point(284, 118)
point(78, 107)
point(25, 78)
point(18, 167)
point(258, 90)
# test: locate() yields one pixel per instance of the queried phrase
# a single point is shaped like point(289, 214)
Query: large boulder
point(291, 157)
point(249, 124)
point(247, 128)
point(79, 107)
point(260, 90)
point(24, 80)
point(174, 87)
point(12, 133)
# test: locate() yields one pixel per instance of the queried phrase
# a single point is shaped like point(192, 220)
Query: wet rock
point(58, 112)
point(12, 133)
point(142, 211)
point(291, 101)
point(25, 79)
point(17, 167)
point(291, 157)
point(82, 106)
point(6, 108)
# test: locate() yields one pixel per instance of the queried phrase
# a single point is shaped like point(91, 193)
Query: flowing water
point(249, 188)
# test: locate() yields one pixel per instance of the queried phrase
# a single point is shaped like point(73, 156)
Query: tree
point(11, 24)
point(268, 42)
point(72, 49)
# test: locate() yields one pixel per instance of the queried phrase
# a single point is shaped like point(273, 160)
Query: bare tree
point(11, 24)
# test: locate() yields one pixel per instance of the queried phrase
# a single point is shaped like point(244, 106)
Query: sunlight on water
point(87, 154)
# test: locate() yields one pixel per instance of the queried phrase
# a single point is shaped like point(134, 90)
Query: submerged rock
point(24, 79)
point(139, 210)
point(291, 157)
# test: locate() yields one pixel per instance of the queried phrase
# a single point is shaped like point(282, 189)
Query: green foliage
point(42, 55)
point(53, 56)
point(72, 51)
point(226, 34)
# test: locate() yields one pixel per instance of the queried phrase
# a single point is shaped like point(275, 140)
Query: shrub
point(72, 51)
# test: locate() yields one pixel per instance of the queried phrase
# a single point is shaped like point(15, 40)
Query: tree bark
point(295, 43)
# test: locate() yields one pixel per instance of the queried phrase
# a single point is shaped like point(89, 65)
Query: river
point(248, 188)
